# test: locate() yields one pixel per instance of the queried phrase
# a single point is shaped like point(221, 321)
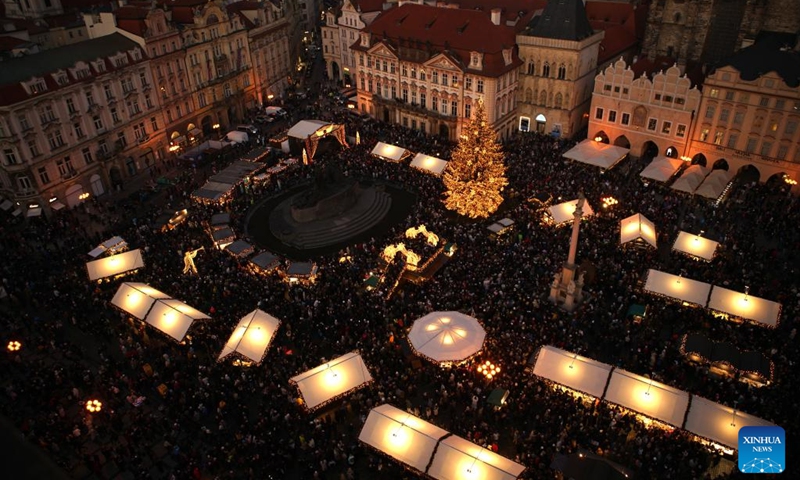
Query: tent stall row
point(501, 226)
point(429, 164)
point(644, 396)
point(754, 367)
point(156, 308)
point(597, 153)
point(112, 246)
point(251, 337)
point(661, 169)
point(715, 184)
point(564, 212)
point(728, 303)
point(430, 450)
point(390, 152)
point(115, 265)
point(638, 229)
point(219, 187)
point(695, 246)
point(691, 179)
point(332, 380)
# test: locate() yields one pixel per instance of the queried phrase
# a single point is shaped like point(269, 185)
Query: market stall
point(112, 246)
point(114, 265)
point(331, 380)
point(638, 229)
point(563, 212)
point(501, 226)
point(691, 178)
point(458, 458)
point(402, 436)
point(136, 299)
point(745, 306)
point(446, 337)
point(240, 249)
point(597, 153)
point(251, 337)
point(301, 272)
point(714, 184)
point(572, 370)
point(220, 186)
point(677, 287)
point(647, 397)
point(173, 317)
point(718, 423)
point(265, 262)
point(661, 169)
point(429, 164)
point(389, 152)
point(695, 246)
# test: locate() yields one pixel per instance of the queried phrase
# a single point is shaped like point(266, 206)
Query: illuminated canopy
point(115, 264)
point(661, 169)
point(571, 370)
point(695, 246)
point(112, 245)
point(429, 164)
point(745, 306)
point(173, 317)
point(691, 179)
point(390, 152)
point(332, 379)
point(446, 336)
point(637, 227)
point(650, 398)
point(598, 154)
point(719, 423)
point(677, 287)
point(305, 128)
point(714, 184)
point(136, 298)
point(457, 458)
point(252, 336)
point(402, 436)
point(563, 212)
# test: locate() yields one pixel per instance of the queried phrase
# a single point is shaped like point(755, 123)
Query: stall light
point(789, 180)
point(33, 205)
point(598, 139)
point(649, 387)
point(14, 346)
point(746, 292)
point(609, 201)
point(174, 148)
point(83, 196)
point(402, 424)
point(94, 406)
point(469, 470)
point(53, 199)
point(733, 420)
point(270, 96)
point(573, 361)
point(215, 126)
point(685, 158)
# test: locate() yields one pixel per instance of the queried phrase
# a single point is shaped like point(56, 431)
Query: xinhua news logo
point(762, 450)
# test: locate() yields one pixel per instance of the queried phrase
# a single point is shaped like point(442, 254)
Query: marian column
point(567, 287)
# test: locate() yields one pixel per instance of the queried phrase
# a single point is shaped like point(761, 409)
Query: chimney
point(496, 16)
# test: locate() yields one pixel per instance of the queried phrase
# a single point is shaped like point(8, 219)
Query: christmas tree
point(475, 175)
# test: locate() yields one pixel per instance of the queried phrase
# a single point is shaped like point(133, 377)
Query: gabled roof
point(365, 6)
point(516, 13)
point(419, 32)
point(767, 55)
point(563, 20)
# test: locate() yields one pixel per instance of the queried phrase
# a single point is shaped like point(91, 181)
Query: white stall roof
point(563, 212)
point(332, 379)
point(446, 336)
point(113, 243)
point(677, 287)
point(661, 169)
point(695, 246)
point(252, 336)
point(173, 317)
point(714, 184)
point(691, 179)
point(430, 164)
point(389, 152)
point(457, 458)
point(304, 128)
point(637, 227)
point(402, 436)
point(719, 423)
point(572, 370)
point(745, 306)
point(598, 154)
point(136, 298)
point(115, 264)
point(650, 398)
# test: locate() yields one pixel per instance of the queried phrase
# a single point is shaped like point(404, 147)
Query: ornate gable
point(443, 61)
point(382, 50)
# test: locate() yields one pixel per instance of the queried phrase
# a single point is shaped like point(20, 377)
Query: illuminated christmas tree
point(475, 175)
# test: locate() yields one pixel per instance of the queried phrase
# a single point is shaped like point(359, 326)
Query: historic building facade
point(559, 50)
point(340, 30)
point(431, 83)
point(650, 117)
point(76, 122)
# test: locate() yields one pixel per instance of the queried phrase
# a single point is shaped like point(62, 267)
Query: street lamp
point(14, 346)
point(94, 406)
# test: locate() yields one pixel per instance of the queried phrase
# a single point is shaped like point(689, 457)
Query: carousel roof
point(447, 336)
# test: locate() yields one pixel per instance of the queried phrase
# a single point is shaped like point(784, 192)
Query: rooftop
point(771, 53)
point(562, 20)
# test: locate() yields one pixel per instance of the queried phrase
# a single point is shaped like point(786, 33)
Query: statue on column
point(556, 280)
point(571, 288)
point(188, 261)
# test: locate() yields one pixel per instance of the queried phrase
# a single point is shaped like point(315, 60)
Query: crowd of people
point(171, 411)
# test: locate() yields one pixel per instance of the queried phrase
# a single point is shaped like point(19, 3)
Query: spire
point(563, 20)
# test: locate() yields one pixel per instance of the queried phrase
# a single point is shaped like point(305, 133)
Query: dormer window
point(100, 66)
point(365, 40)
point(507, 56)
point(61, 78)
point(121, 61)
point(37, 86)
point(82, 73)
point(476, 60)
point(137, 55)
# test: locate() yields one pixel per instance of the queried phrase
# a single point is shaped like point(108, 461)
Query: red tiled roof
point(182, 14)
point(132, 12)
point(617, 39)
point(520, 11)
point(609, 12)
point(365, 6)
point(10, 43)
point(647, 67)
point(136, 27)
point(237, 9)
point(410, 28)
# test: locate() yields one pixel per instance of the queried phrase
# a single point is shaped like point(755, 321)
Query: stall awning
point(446, 336)
point(173, 317)
point(572, 370)
point(648, 397)
point(695, 246)
point(429, 164)
point(598, 154)
point(677, 287)
point(714, 184)
point(390, 152)
point(304, 128)
point(719, 423)
point(6, 205)
point(745, 306)
point(34, 212)
point(402, 436)
point(195, 132)
point(252, 336)
point(240, 248)
point(458, 458)
point(220, 219)
point(662, 169)
point(56, 206)
point(331, 380)
point(691, 178)
point(136, 299)
point(563, 212)
point(112, 245)
point(265, 260)
point(115, 265)
point(637, 227)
